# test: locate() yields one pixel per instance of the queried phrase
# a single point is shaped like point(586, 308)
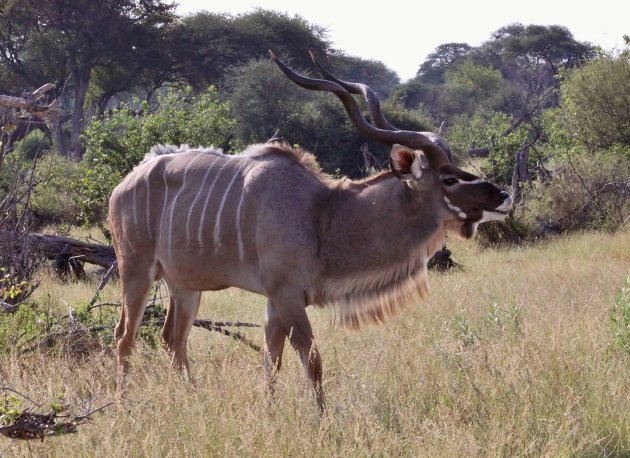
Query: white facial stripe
point(217, 222)
point(205, 204)
point(477, 181)
point(170, 222)
point(203, 183)
point(455, 208)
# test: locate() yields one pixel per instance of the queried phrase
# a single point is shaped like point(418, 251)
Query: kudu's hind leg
point(180, 316)
point(274, 345)
point(136, 279)
point(292, 312)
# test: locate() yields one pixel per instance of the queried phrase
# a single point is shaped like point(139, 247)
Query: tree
point(444, 57)
point(595, 100)
point(68, 41)
point(373, 73)
point(263, 101)
point(470, 88)
point(531, 56)
point(207, 45)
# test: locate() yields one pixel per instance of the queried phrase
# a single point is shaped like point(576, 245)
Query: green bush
point(587, 191)
point(595, 98)
point(116, 144)
point(55, 199)
point(33, 144)
point(483, 130)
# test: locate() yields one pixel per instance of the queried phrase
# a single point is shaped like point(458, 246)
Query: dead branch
point(218, 326)
point(104, 281)
point(28, 425)
point(30, 103)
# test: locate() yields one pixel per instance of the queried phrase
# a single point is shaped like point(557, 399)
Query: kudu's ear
point(407, 163)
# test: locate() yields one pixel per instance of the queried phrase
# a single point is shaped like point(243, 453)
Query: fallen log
point(478, 152)
point(60, 248)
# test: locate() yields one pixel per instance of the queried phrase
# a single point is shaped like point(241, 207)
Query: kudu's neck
point(377, 228)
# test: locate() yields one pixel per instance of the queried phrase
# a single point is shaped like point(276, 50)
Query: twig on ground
point(104, 281)
point(28, 425)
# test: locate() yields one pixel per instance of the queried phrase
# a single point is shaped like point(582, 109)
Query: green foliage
point(373, 73)
point(10, 409)
point(559, 138)
point(55, 199)
point(596, 98)
point(209, 45)
point(587, 191)
point(264, 101)
point(83, 330)
point(437, 63)
point(33, 144)
point(499, 322)
point(116, 144)
point(619, 317)
point(485, 130)
point(552, 45)
point(11, 289)
point(469, 88)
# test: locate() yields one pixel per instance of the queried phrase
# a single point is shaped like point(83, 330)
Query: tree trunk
point(81, 85)
point(58, 140)
point(520, 173)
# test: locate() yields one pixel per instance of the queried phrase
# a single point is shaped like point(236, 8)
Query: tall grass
point(515, 355)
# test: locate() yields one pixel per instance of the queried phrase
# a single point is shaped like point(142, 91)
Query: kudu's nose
point(504, 195)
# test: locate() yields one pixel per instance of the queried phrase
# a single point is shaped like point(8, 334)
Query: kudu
point(268, 221)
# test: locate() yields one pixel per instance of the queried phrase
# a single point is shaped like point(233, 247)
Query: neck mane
point(375, 250)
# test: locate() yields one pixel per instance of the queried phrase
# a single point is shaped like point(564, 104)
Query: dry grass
point(513, 356)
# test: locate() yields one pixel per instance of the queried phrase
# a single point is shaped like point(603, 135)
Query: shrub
point(595, 99)
point(55, 199)
point(116, 144)
point(588, 191)
point(484, 131)
point(33, 144)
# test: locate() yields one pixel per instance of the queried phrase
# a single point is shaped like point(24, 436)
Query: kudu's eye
point(450, 181)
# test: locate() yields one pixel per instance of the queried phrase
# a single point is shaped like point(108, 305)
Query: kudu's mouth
point(498, 213)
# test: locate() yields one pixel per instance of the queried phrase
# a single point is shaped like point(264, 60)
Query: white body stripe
point(205, 204)
point(170, 222)
point(164, 204)
point(239, 236)
point(217, 222)
point(146, 180)
point(203, 183)
point(135, 209)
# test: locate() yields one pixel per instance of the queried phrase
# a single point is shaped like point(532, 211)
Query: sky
point(402, 33)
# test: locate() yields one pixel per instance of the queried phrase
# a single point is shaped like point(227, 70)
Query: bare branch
point(30, 102)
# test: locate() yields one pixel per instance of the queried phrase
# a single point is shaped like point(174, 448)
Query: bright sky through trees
point(401, 33)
